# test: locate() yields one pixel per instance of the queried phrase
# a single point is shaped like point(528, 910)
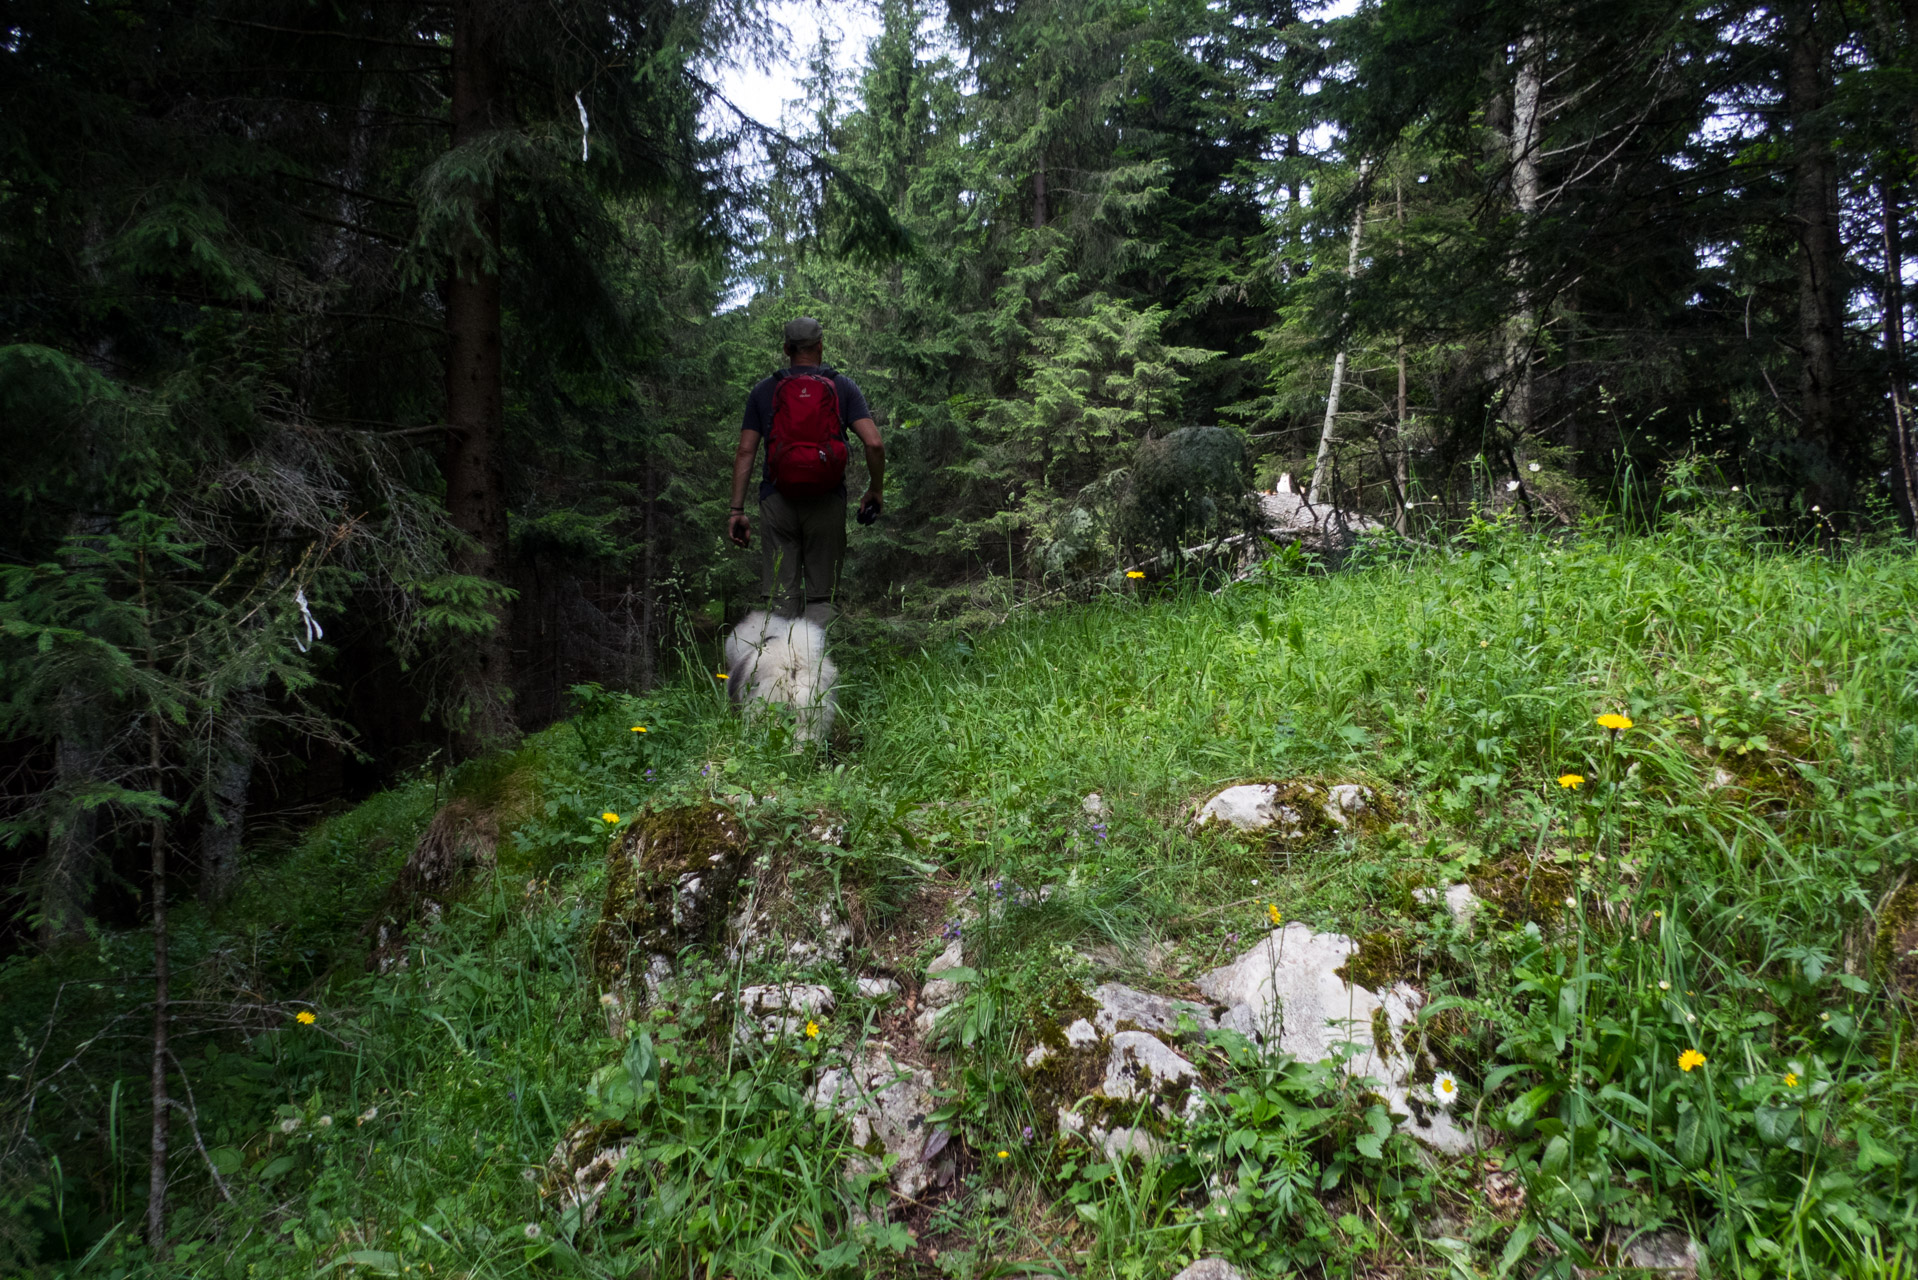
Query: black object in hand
point(868, 512)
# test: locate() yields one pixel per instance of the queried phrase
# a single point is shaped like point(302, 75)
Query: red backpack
point(807, 449)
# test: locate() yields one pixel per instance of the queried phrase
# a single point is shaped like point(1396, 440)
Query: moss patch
point(669, 882)
point(1522, 890)
point(1380, 963)
point(1894, 953)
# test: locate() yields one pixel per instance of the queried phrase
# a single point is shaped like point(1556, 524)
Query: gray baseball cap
point(803, 332)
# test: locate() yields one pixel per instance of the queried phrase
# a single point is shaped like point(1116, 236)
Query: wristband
point(741, 510)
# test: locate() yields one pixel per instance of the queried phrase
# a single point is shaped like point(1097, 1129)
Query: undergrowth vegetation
point(1676, 1008)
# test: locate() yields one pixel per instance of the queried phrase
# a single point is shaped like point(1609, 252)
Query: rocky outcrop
point(1291, 992)
point(783, 1009)
point(583, 1164)
point(458, 847)
point(669, 884)
point(938, 994)
point(1112, 1077)
point(1210, 1269)
point(1291, 811)
point(886, 1102)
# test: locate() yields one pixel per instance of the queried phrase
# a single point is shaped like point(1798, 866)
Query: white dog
point(773, 659)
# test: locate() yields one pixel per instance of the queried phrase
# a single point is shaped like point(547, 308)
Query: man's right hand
point(739, 528)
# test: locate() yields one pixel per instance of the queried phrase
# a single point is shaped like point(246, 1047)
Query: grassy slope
point(1732, 846)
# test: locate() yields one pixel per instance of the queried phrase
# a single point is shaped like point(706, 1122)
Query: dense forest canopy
point(368, 373)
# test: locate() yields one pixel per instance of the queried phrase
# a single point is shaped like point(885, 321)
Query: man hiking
point(803, 413)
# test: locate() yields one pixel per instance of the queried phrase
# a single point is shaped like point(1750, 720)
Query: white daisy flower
point(1445, 1088)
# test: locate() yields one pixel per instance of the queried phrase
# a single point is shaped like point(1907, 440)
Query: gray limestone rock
point(1345, 801)
point(1120, 1005)
point(582, 1165)
point(1460, 902)
point(888, 1100)
point(938, 993)
point(799, 997)
point(1258, 806)
point(1210, 1269)
point(1669, 1250)
point(1250, 807)
point(1140, 1065)
point(1287, 989)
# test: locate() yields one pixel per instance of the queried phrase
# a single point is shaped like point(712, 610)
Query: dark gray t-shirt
point(759, 416)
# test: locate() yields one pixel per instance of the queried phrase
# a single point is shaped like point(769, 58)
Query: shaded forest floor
point(1684, 1004)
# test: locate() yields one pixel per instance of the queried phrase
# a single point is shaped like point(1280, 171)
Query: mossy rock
point(459, 847)
point(1524, 891)
point(1299, 811)
point(1894, 953)
point(669, 883)
point(1380, 963)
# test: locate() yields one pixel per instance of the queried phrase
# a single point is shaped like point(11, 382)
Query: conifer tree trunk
point(157, 1147)
point(1892, 305)
point(1401, 452)
point(1814, 219)
point(229, 775)
point(73, 835)
point(475, 415)
point(1521, 329)
point(162, 993)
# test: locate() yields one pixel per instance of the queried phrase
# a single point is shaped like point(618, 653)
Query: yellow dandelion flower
point(609, 816)
point(1005, 1155)
point(305, 1018)
point(639, 728)
point(1791, 1079)
point(1614, 722)
point(1571, 781)
point(719, 675)
point(1689, 1059)
point(1134, 573)
point(1272, 914)
point(812, 1029)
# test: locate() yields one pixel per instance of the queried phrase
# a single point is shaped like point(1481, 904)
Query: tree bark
point(1521, 331)
point(73, 835)
point(1892, 305)
point(1401, 452)
point(475, 398)
point(1320, 463)
point(1815, 222)
point(228, 778)
point(649, 576)
point(162, 978)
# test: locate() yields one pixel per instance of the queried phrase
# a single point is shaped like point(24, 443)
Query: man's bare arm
point(738, 527)
point(868, 432)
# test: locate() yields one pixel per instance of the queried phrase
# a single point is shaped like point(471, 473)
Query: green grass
point(1733, 845)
